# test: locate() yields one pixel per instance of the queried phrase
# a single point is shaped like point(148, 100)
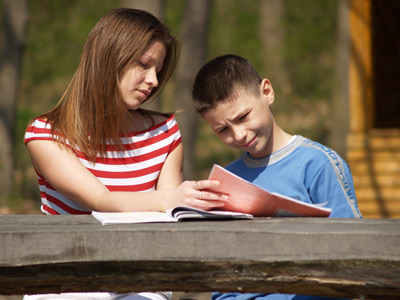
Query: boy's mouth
point(250, 143)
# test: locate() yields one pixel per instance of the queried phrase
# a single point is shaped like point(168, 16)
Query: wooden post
point(360, 68)
point(373, 152)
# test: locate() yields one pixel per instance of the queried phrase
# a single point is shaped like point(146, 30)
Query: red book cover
point(249, 198)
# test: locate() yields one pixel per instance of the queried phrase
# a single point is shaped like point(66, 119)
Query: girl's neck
point(138, 122)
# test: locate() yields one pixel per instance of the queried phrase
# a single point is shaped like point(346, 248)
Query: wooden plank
point(368, 167)
point(386, 132)
point(376, 144)
point(331, 257)
point(371, 193)
point(377, 180)
point(374, 159)
point(366, 155)
point(376, 140)
point(377, 209)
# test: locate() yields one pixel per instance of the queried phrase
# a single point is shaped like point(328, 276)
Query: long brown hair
point(91, 111)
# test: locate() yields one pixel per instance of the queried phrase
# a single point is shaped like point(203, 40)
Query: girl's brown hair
point(92, 112)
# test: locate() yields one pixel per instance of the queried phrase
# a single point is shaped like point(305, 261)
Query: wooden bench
point(331, 257)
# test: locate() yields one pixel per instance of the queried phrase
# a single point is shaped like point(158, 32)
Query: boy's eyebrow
point(232, 119)
point(237, 115)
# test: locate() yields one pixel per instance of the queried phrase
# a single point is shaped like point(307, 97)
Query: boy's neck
point(282, 140)
point(278, 140)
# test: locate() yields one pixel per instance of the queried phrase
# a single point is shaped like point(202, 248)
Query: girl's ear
point(267, 91)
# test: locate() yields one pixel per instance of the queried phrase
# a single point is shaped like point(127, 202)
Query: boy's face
point(245, 122)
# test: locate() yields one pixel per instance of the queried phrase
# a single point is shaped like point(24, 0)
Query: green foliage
point(174, 15)
point(310, 44)
point(57, 31)
point(234, 27)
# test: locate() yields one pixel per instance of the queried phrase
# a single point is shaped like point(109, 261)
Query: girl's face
point(245, 122)
point(140, 78)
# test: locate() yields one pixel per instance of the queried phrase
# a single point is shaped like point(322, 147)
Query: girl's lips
point(144, 93)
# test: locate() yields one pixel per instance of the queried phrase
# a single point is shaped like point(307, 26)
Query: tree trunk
point(272, 34)
point(156, 7)
point(193, 53)
point(14, 19)
point(340, 101)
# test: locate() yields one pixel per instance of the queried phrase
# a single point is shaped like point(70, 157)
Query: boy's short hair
point(221, 78)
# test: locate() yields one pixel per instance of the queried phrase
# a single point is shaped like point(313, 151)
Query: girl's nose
point(151, 78)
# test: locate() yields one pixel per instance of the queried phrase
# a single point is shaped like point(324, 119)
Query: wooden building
point(374, 137)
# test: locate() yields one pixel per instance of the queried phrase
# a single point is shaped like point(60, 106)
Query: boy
point(233, 99)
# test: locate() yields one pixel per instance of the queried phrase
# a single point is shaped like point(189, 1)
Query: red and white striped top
point(135, 169)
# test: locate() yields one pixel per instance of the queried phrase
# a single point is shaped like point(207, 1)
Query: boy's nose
point(239, 134)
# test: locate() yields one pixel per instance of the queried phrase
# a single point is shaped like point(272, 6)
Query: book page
point(186, 212)
point(107, 218)
point(175, 214)
point(249, 198)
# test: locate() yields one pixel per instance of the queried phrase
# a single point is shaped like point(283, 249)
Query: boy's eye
point(242, 117)
point(220, 130)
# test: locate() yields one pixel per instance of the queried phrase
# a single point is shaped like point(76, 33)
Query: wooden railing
point(332, 257)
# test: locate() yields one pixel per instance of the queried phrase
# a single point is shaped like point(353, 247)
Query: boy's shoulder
point(318, 149)
point(300, 148)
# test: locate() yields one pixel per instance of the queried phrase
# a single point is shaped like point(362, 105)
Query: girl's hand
point(197, 194)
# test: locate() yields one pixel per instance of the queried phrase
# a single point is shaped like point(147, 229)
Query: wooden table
point(331, 257)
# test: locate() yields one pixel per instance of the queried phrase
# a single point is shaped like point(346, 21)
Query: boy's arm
point(334, 185)
point(236, 296)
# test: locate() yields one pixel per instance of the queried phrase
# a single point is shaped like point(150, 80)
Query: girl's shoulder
point(38, 129)
point(145, 120)
point(38, 124)
point(160, 118)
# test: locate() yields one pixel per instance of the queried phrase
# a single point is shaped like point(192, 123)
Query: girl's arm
point(66, 174)
point(171, 175)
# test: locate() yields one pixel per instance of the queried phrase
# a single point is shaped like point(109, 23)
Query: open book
point(175, 214)
point(247, 197)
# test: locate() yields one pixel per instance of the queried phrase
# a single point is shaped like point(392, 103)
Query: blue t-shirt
point(304, 170)
point(249, 296)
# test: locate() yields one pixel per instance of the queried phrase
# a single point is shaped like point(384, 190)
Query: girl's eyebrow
point(149, 59)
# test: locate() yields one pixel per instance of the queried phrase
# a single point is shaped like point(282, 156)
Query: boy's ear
point(267, 91)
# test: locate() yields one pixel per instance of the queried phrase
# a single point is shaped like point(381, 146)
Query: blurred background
point(334, 66)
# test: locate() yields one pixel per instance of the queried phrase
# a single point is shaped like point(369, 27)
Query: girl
point(97, 149)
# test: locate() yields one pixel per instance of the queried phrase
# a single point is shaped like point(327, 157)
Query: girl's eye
point(143, 64)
